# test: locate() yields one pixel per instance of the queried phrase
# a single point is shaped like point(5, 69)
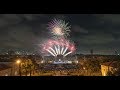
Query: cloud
point(23, 35)
point(79, 29)
point(27, 30)
point(14, 19)
point(60, 16)
point(96, 38)
point(9, 19)
point(111, 18)
point(33, 16)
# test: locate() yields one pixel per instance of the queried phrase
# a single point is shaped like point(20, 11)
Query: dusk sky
point(100, 32)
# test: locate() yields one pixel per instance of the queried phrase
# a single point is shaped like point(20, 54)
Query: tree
point(27, 66)
point(109, 73)
point(92, 65)
point(117, 72)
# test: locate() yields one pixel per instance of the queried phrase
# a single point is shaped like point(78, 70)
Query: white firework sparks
point(59, 47)
point(58, 51)
point(62, 50)
point(68, 53)
point(59, 28)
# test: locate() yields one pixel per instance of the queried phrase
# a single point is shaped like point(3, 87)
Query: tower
point(91, 51)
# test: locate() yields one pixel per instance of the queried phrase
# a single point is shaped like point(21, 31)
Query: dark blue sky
point(100, 32)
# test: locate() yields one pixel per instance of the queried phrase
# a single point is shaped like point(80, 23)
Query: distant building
point(109, 68)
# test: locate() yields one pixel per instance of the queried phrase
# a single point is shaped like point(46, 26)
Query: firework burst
point(59, 47)
point(59, 28)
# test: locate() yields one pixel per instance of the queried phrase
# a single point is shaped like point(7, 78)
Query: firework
point(59, 47)
point(68, 53)
point(59, 28)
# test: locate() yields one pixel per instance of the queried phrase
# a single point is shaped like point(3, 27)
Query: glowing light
point(50, 52)
point(58, 49)
point(42, 61)
point(6, 74)
point(68, 53)
point(84, 68)
point(50, 61)
point(62, 62)
point(58, 31)
point(53, 51)
point(104, 74)
point(18, 61)
point(76, 61)
point(59, 45)
point(64, 50)
point(59, 28)
point(69, 62)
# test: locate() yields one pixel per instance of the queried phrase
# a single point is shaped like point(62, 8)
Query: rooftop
point(112, 64)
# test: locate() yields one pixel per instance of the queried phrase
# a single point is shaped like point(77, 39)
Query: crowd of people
point(60, 69)
point(48, 67)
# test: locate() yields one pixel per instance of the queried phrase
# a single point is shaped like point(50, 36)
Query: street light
point(19, 63)
point(76, 62)
point(85, 70)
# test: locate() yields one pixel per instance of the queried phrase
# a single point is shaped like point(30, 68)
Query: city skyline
point(99, 32)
